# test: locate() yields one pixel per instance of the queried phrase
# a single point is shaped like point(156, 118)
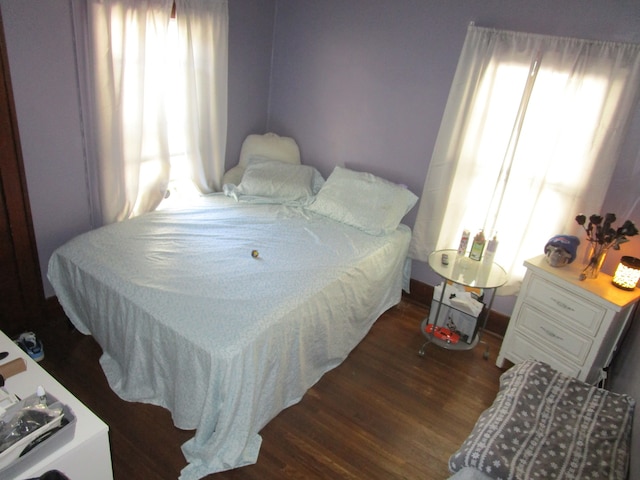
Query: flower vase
point(596, 257)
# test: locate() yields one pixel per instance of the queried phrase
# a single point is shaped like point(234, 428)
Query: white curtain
point(205, 66)
point(529, 139)
point(123, 63)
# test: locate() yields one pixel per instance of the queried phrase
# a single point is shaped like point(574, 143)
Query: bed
point(545, 424)
point(227, 312)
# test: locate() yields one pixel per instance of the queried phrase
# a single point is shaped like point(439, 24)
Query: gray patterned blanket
point(544, 424)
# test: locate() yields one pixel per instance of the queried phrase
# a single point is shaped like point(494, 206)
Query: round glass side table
point(485, 275)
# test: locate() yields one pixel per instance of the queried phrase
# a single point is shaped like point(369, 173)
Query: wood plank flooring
point(385, 413)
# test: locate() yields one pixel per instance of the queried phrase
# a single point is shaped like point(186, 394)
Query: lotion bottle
point(478, 246)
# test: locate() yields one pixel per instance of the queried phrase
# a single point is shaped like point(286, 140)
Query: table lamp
point(627, 274)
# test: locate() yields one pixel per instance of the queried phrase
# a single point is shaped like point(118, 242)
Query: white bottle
point(490, 252)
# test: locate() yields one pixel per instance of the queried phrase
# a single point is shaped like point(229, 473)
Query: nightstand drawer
point(547, 331)
point(524, 349)
point(584, 314)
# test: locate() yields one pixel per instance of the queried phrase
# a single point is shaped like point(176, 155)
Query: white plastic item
point(7, 399)
point(42, 395)
point(490, 251)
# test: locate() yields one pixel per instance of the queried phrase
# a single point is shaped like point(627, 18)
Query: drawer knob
point(551, 334)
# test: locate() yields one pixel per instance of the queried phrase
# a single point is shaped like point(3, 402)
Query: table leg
point(435, 321)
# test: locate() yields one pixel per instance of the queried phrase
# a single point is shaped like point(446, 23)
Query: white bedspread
point(189, 320)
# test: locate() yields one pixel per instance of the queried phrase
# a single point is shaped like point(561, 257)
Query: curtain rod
point(472, 24)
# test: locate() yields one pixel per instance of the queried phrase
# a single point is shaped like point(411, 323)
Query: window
point(153, 94)
point(181, 189)
point(522, 177)
point(529, 139)
point(163, 104)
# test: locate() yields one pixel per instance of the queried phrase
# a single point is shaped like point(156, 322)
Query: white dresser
point(85, 456)
point(574, 326)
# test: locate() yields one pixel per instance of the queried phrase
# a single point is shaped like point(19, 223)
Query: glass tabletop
point(463, 270)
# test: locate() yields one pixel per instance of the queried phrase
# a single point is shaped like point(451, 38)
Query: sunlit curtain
point(529, 138)
point(122, 49)
point(205, 87)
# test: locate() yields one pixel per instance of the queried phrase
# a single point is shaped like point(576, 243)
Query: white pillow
point(276, 181)
point(233, 175)
point(269, 145)
point(364, 201)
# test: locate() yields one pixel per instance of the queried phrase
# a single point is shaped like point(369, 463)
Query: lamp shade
point(627, 274)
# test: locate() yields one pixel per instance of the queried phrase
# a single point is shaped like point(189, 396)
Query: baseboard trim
point(422, 293)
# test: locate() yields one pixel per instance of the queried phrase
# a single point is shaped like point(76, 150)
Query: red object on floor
point(442, 333)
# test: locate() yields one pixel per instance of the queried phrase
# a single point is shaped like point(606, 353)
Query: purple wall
point(250, 47)
point(364, 83)
point(44, 89)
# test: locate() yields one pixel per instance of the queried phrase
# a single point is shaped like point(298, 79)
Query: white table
point(87, 455)
point(575, 326)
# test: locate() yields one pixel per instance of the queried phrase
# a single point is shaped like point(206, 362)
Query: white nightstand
point(87, 454)
point(574, 326)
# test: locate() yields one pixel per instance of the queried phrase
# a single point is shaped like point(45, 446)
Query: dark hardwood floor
point(385, 413)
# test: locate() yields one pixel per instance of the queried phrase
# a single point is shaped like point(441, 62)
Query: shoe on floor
point(31, 344)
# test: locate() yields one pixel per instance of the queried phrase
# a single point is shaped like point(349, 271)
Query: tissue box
point(459, 311)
